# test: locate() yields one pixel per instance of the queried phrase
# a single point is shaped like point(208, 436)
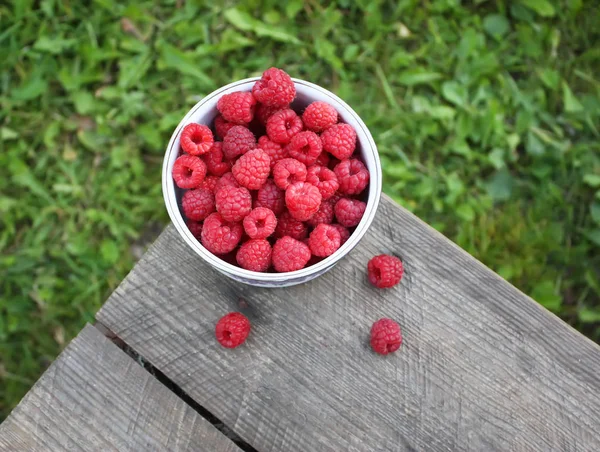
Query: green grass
point(486, 114)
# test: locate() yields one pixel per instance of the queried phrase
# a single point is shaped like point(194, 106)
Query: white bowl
point(204, 112)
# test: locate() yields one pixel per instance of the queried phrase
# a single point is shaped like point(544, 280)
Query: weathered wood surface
point(94, 397)
point(482, 367)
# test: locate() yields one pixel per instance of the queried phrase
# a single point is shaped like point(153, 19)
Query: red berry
point(324, 179)
point(349, 211)
point(237, 107)
point(196, 139)
point(271, 197)
point(226, 180)
point(255, 255)
point(222, 126)
point(386, 336)
point(188, 171)
point(324, 240)
point(232, 329)
point(288, 171)
point(198, 204)
point(195, 228)
point(302, 200)
point(344, 233)
point(288, 225)
point(339, 140)
point(260, 223)
point(252, 169)
point(305, 147)
point(289, 255)
point(323, 159)
point(220, 236)
point(319, 116)
point(324, 215)
point(238, 141)
point(233, 203)
point(385, 271)
point(209, 183)
point(214, 160)
point(275, 88)
point(352, 175)
point(264, 112)
point(283, 125)
point(275, 151)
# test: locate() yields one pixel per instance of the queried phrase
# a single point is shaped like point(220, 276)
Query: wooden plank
point(94, 397)
point(483, 367)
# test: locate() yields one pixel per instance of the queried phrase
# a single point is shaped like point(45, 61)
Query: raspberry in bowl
point(294, 172)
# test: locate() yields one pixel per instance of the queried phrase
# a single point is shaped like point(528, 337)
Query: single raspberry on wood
point(289, 226)
point(189, 171)
point(319, 116)
point(324, 179)
point(339, 140)
point(288, 171)
point(237, 107)
point(222, 126)
point(196, 139)
point(323, 216)
point(264, 112)
point(260, 223)
point(305, 147)
point(386, 336)
point(226, 180)
point(271, 197)
point(385, 271)
point(255, 255)
point(349, 212)
point(195, 228)
point(220, 236)
point(344, 233)
point(198, 204)
point(209, 183)
point(233, 203)
point(324, 240)
point(302, 200)
point(352, 175)
point(290, 254)
point(275, 151)
point(283, 125)
point(252, 169)
point(232, 330)
point(214, 160)
point(275, 88)
point(238, 141)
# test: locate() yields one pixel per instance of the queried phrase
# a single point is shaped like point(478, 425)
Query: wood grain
point(94, 397)
point(482, 367)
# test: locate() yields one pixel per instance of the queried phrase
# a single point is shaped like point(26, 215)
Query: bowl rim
point(170, 197)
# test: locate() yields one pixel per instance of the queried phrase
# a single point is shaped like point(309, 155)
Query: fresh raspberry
point(349, 211)
point(302, 200)
point(238, 141)
point(288, 171)
point(288, 225)
point(195, 228)
point(220, 236)
point(233, 203)
point(214, 160)
point(339, 140)
point(189, 171)
point(290, 254)
point(255, 255)
point(323, 159)
point(385, 271)
point(352, 176)
point(324, 179)
point(386, 336)
point(275, 151)
point(323, 215)
point(226, 180)
point(271, 197)
point(252, 169)
point(305, 147)
point(222, 126)
point(237, 107)
point(232, 330)
point(196, 139)
point(319, 116)
point(209, 183)
point(264, 112)
point(260, 223)
point(324, 240)
point(334, 199)
point(283, 125)
point(198, 204)
point(275, 88)
point(344, 233)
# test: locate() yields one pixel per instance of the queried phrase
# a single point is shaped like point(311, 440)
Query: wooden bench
point(482, 367)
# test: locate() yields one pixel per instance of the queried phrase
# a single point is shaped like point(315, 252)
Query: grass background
point(486, 114)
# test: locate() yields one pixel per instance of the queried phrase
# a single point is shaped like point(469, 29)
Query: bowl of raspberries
point(271, 180)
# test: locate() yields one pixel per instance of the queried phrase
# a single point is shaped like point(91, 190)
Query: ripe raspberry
point(324, 179)
point(214, 160)
point(386, 336)
point(220, 236)
point(334, 199)
point(226, 180)
point(252, 169)
point(189, 171)
point(238, 141)
point(324, 240)
point(237, 107)
point(339, 140)
point(283, 125)
point(385, 271)
point(195, 228)
point(302, 200)
point(305, 147)
point(260, 223)
point(319, 116)
point(288, 225)
point(196, 139)
point(290, 254)
point(323, 159)
point(324, 215)
point(209, 183)
point(275, 88)
point(288, 171)
point(198, 204)
point(349, 211)
point(344, 233)
point(352, 176)
point(255, 255)
point(232, 329)
point(275, 151)
point(271, 197)
point(233, 203)
point(222, 126)
point(264, 112)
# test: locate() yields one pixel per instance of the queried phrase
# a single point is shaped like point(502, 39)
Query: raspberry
point(385, 271)
point(196, 139)
point(233, 203)
point(349, 211)
point(214, 160)
point(319, 116)
point(260, 223)
point(305, 147)
point(334, 199)
point(302, 200)
point(283, 125)
point(232, 329)
point(339, 140)
point(226, 180)
point(324, 240)
point(323, 159)
point(188, 171)
point(209, 183)
point(220, 236)
point(288, 171)
point(324, 179)
point(275, 88)
point(252, 169)
point(195, 228)
point(264, 112)
point(290, 254)
point(198, 204)
point(238, 141)
point(237, 107)
point(271, 197)
point(344, 233)
point(386, 336)
point(323, 215)
point(352, 175)
point(288, 225)
point(275, 151)
point(222, 126)
point(255, 255)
